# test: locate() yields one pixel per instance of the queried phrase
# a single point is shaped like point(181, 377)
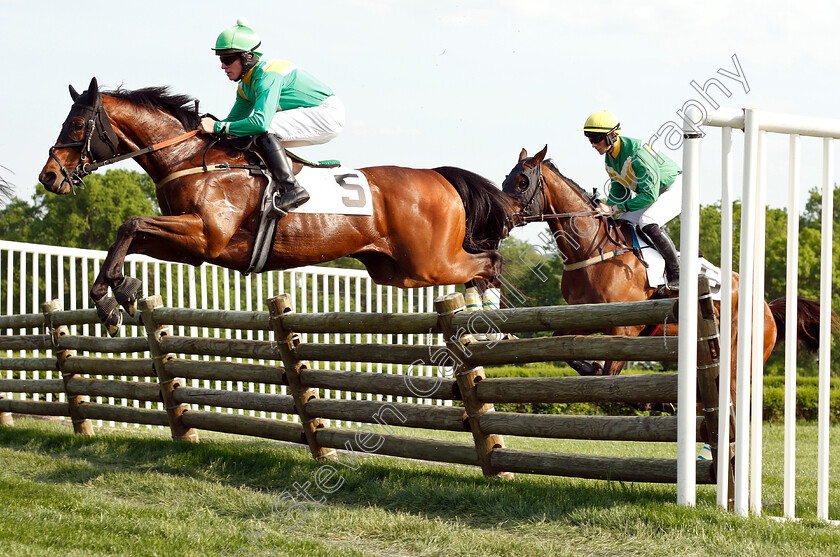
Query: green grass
point(135, 492)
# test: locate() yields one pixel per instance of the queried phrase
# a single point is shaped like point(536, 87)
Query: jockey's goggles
point(595, 137)
point(228, 59)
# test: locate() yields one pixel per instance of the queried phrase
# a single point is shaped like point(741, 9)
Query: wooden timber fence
point(167, 359)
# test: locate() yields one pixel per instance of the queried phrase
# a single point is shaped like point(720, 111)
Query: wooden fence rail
point(98, 386)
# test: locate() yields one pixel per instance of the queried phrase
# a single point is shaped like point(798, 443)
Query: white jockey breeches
point(311, 125)
point(665, 208)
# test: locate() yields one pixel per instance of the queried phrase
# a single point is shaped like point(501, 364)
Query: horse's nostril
point(47, 178)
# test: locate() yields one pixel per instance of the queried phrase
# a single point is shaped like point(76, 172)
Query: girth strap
point(594, 260)
point(187, 172)
point(201, 169)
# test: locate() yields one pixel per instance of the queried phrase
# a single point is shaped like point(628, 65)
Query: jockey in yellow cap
point(645, 186)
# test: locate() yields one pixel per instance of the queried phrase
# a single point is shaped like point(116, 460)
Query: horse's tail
point(487, 208)
point(808, 321)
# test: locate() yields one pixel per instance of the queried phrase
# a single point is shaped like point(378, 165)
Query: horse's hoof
point(586, 368)
point(114, 324)
point(109, 315)
point(126, 294)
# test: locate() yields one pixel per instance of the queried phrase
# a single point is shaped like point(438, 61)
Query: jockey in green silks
point(278, 103)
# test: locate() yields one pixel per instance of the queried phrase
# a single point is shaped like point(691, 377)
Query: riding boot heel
point(288, 194)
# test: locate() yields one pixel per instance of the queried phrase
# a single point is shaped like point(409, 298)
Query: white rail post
point(725, 380)
point(757, 376)
point(690, 269)
point(825, 326)
point(745, 313)
point(791, 291)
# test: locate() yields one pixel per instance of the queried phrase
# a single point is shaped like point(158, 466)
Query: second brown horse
point(583, 236)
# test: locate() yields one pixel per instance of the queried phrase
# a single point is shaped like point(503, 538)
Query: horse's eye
point(77, 125)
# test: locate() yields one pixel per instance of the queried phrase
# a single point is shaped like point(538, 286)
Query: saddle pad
point(329, 163)
point(337, 191)
point(656, 266)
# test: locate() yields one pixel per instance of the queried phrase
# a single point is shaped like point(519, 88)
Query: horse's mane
point(181, 107)
point(487, 208)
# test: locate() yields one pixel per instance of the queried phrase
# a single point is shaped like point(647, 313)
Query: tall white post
point(791, 291)
point(689, 271)
point(724, 383)
point(757, 400)
point(745, 313)
point(827, 233)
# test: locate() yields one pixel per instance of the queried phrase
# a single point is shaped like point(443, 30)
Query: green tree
point(88, 219)
point(16, 220)
point(534, 270)
point(776, 257)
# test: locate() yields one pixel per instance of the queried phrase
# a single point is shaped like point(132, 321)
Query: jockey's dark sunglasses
point(595, 137)
point(228, 59)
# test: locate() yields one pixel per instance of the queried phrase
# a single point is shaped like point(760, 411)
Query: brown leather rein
point(619, 241)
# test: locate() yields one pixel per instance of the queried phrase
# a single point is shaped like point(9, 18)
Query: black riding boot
point(665, 246)
point(288, 194)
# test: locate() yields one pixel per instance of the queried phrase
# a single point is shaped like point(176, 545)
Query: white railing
point(31, 274)
point(749, 382)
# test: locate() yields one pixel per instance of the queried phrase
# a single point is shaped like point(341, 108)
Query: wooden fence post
point(708, 372)
point(154, 333)
point(467, 377)
point(286, 341)
point(6, 417)
point(81, 425)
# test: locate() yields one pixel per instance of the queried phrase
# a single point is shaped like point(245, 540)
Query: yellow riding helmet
point(602, 122)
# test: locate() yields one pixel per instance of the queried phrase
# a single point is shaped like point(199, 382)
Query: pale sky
point(462, 83)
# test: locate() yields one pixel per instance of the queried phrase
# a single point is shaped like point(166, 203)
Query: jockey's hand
point(207, 125)
point(606, 210)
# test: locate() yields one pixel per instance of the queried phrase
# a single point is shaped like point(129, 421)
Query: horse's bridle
point(533, 210)
point(99, 144)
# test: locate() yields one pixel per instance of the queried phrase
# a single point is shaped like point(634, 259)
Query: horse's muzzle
point(52, 182)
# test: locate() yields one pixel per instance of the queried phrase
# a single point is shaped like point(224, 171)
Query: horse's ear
point(94, 96)
point(538, 158)
point(523, 154)
point(73, 93)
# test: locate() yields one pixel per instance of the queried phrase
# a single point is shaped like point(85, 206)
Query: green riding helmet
point(239, 38)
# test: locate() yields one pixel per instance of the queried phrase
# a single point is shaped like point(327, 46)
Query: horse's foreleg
point(178, 238)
